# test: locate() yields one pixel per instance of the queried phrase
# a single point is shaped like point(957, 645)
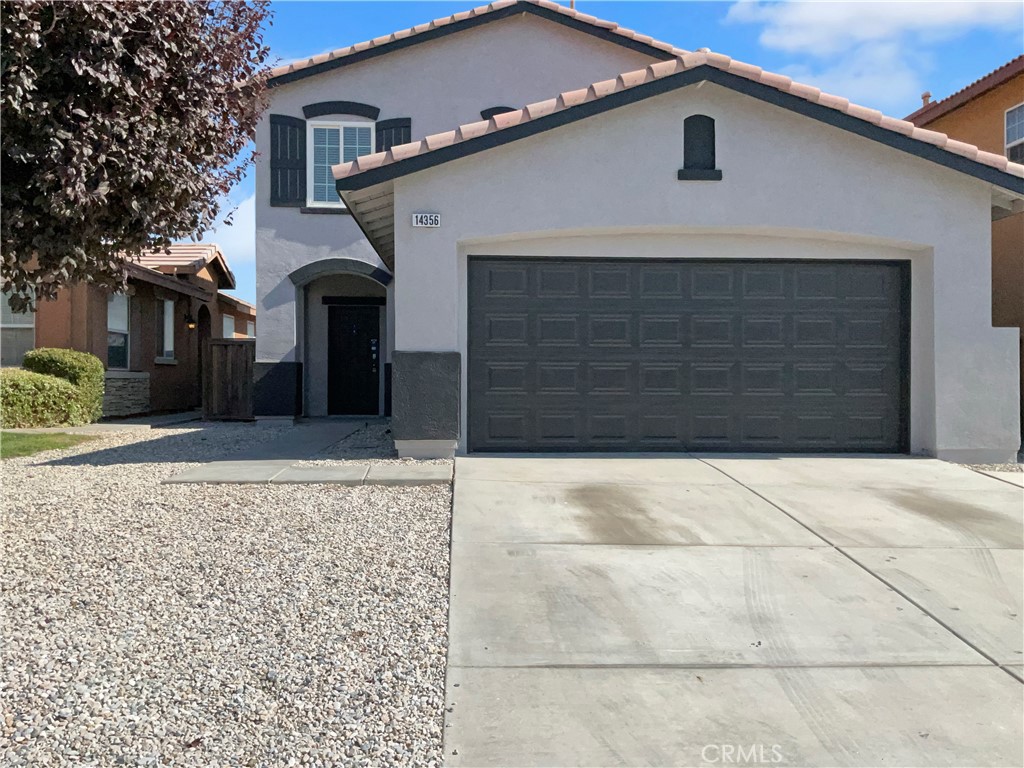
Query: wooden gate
point(227, 378)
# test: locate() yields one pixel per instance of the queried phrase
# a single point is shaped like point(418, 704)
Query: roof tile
point(472, 130)
point(462, 16)
point(572, 98)
point(804, 91)
point(833, 102)
point(664, 69)
point(541, 108)
point(864, 113)
point(439, 140)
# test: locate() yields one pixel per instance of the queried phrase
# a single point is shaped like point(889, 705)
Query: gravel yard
point(371, 444)
point(148, 624)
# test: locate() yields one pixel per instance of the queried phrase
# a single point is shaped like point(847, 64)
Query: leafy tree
point(123, 126)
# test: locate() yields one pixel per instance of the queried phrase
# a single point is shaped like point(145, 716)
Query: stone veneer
point(126, 393)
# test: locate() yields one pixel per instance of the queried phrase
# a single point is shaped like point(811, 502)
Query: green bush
point(29, 399)
point(83, 370)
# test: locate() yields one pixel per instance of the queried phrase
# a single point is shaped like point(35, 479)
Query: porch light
point(190, 322)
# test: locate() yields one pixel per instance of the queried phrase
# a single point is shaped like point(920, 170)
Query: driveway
point(734, 610)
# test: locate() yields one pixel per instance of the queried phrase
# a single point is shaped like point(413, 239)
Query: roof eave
point(704, 72)
point(465, 24)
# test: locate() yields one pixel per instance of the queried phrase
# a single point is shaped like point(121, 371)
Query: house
point(149, 338)
point(556, 234)
point(989, 113)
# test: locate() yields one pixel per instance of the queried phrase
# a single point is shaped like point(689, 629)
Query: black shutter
point(391, 133)
point(287, 161)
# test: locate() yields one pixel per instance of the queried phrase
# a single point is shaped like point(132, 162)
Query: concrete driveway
point(715, 610)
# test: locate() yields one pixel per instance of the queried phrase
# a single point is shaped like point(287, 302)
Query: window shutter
point(287, 161)
point(391, 133)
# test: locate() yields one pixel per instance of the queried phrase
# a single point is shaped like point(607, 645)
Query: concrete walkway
point(275, 461)
point(720, 610)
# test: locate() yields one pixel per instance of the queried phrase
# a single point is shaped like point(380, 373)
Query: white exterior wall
point(439, 85)
point(792, 188)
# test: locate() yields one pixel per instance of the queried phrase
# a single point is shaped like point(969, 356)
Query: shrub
point(29, 399)
point(83, 370)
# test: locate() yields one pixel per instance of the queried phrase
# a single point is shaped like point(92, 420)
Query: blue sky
point(879, 54)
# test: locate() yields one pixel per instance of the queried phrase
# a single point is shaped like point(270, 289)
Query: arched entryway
point(343, 339)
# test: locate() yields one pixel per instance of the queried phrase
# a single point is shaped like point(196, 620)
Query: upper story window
point(1015, 134)
point(117, 331)
point(330, 144)
point(250, 329)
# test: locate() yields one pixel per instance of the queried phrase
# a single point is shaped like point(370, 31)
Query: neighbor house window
point(330, 144)
point(1015, 134)
point(165, 329)
point(250, 329)
point(17, 333)
point(229, 327)
point(117, 331)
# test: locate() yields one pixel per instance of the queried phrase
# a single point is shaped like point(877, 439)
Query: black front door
point(353, 351)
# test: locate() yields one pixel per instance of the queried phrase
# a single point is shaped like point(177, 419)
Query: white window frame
point(250, 329)
point(127, 331)
point(340, 127)
point(167, 353)
point(31, 316)
point(1006, 139)
point(224, 320)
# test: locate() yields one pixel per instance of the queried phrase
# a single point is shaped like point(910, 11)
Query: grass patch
point(14, 444)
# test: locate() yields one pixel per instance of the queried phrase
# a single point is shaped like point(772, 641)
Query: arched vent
point(699, 150)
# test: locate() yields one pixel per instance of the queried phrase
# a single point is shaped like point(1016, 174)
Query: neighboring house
point(989, 113)
point(148, 339)
point(691, 255)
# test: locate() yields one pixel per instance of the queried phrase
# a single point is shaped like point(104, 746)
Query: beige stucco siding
point(792, 187)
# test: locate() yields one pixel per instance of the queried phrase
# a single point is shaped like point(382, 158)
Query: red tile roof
point(188, 259)
point(659, 71)
point(475, 13)
point(936, 109)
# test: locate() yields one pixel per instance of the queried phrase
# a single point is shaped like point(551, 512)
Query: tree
point(123, 125)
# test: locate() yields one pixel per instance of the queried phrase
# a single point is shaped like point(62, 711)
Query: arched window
point(699, 149)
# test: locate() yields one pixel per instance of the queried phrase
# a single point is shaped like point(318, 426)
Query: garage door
point(629, 355)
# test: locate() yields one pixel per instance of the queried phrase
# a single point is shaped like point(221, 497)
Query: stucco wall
point(791, 185)
point(981, 121)
point(439, 84)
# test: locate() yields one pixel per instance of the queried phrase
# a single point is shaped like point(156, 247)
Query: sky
point(878, 54)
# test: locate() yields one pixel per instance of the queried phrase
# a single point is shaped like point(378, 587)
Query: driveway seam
point(867, 570)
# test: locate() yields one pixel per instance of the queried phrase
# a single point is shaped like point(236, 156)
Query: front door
point(353, 356)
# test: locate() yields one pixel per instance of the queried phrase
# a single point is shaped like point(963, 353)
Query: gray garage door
point(628, 355)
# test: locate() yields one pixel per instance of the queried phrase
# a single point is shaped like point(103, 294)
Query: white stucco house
point(525, 229)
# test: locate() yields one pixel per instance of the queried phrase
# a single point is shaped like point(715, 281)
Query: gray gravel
point(371, 444)
point(148, 624)
point(1015, 467)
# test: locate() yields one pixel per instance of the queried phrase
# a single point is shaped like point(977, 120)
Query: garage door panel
point(676, 355)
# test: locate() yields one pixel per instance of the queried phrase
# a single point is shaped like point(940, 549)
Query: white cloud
point(829, 28)
point(873, 53)
point(237, 241)
point(881, 75)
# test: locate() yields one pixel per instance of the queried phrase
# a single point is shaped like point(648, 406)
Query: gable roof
point(422, 33)
point(189, 259)
point(936, 109)
point(662, 77)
